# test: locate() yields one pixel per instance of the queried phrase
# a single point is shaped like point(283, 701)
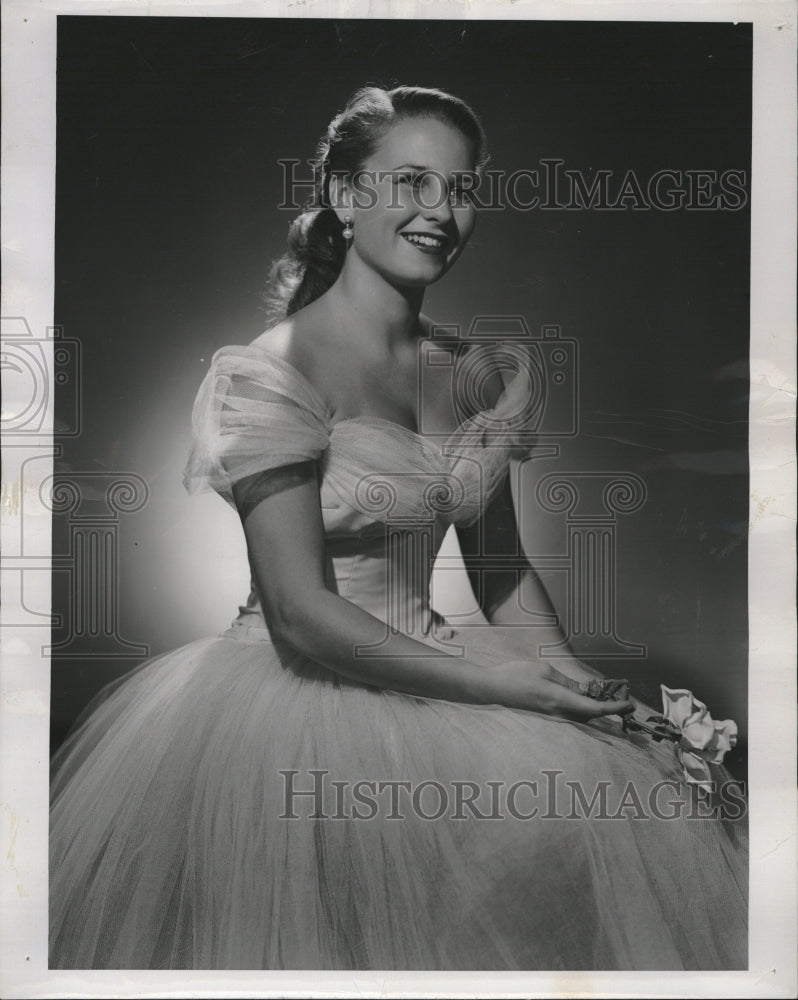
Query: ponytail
point(313, 260)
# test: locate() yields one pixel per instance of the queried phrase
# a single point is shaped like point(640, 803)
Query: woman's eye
point(460, 194)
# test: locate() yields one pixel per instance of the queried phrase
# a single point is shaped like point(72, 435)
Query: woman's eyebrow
point(422, 166)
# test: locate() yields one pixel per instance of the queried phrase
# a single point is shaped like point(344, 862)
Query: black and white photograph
point(386, 506)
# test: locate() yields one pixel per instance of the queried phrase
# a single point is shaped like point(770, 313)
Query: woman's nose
point(434, 197)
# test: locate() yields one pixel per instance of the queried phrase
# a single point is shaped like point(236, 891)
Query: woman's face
point(412, 214)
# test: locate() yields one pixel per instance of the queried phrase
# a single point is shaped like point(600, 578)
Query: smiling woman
point(364, 174)
point(399, 207)
point(190, 823)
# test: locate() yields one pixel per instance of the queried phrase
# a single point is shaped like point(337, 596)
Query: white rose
point(703, 740)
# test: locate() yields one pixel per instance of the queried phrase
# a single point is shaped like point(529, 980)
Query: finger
point(614, 707)
point(587, 708)
point(560, 678)
point(605, 707)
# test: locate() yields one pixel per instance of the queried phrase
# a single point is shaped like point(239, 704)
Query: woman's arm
point(513, 595)
point(282, 520)
point(518, 596)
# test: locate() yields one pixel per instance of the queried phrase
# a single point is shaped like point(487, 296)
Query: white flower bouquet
point(699, 739)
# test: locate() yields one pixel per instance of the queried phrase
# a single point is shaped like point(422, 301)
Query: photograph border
point(28, 202)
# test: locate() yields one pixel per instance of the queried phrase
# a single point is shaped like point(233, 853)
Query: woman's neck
point(386, 317)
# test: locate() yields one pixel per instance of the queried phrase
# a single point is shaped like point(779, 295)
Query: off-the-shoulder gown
point(177, 839)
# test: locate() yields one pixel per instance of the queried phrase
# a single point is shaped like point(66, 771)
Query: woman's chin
point(427, 275)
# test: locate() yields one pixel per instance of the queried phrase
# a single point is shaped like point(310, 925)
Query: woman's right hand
point(538, 687)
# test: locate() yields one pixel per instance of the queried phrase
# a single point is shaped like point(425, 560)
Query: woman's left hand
point(576, 670)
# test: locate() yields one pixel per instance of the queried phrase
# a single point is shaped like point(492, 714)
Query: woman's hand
point(577, 670)
point(539, 687)
point(644, 712)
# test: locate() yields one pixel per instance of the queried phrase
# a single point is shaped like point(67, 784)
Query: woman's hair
point(316, 246)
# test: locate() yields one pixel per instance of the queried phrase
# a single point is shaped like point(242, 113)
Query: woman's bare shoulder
point(292, 340)
point(298, 340)
point(279, 339)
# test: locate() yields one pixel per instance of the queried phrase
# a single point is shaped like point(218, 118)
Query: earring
point(348, 230)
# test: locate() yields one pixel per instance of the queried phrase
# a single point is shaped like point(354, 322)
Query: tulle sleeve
point(481, 448)
point(253, 412)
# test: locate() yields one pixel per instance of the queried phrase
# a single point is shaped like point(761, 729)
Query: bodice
point(387, 493)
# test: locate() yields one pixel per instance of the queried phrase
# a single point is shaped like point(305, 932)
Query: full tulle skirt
point(234, 805)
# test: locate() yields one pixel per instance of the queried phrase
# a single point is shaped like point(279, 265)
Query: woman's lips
point(435, 245)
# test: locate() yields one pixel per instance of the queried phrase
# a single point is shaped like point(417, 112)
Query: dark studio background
point(168, 181)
